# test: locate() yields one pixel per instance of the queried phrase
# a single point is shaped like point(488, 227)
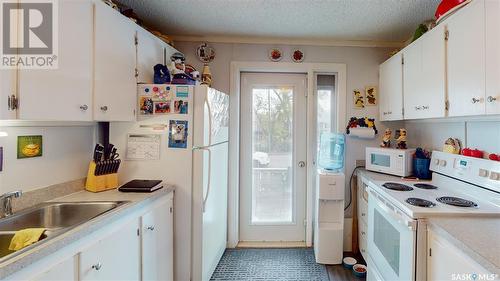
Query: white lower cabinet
point(65, 270)
point(135, 246)
point(447, 262)
point(157, 242)
point(115, 257)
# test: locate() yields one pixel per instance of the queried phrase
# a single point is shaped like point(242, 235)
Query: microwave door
point(381, 162)
point(391, 241)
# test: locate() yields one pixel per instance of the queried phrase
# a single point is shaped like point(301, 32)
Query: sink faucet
point(6, 202)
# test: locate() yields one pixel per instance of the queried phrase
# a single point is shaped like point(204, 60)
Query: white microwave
point(392, 161)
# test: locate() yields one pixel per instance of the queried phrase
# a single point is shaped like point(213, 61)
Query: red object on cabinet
point(447, 5)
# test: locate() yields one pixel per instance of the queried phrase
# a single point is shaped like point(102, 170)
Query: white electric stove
point(398, 211)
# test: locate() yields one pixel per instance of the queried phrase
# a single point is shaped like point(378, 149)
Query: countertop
point(45, 248)
point(475, 236)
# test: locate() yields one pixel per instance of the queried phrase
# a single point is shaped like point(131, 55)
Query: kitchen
point(236, 119)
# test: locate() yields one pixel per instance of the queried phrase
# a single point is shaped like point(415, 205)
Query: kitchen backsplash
point(66, 152)
point(483, 135)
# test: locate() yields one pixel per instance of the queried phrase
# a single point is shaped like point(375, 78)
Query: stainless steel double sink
point(55, 217)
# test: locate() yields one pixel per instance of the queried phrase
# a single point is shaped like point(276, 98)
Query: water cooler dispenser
point(329, 201)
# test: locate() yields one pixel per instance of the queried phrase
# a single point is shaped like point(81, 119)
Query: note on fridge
point(143, 147)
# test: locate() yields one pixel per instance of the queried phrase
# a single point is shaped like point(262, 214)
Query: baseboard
point(271, 244)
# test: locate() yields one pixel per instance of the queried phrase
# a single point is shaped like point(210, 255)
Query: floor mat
point(270, 264)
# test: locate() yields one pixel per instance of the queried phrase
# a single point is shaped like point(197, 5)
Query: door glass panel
point(272, 147)
point(387, 240)
point(381, 160)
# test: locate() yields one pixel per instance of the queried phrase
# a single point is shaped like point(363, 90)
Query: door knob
point(302, 164)
point(491, 99)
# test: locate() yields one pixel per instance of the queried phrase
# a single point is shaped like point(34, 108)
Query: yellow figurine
point(386, 138)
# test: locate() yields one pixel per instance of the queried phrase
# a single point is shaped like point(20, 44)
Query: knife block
point(100, 183)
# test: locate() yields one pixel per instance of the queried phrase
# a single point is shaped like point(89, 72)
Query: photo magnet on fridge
point(181, 106)
point(182, 92)
point(177, 134)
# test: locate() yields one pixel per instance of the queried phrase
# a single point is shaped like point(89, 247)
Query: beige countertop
point(476, 237)
point(52, 245)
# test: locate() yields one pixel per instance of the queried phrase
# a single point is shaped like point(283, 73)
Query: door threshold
point(271, 244)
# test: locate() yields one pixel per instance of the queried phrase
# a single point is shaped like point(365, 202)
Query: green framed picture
point(29, 146)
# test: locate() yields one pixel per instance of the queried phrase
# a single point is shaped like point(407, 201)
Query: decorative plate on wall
point(275, 54)
point(297, 55)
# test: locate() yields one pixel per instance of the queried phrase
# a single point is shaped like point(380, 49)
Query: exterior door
point(273, 155)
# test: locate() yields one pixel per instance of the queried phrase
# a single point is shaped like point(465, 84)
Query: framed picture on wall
point(358, 99)
point(371, 96)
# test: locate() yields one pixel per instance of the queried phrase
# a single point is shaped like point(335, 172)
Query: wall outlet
point(360, 163)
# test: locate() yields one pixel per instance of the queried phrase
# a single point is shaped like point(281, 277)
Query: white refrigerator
point(185, 145)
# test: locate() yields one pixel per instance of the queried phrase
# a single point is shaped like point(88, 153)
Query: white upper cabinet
point(424, 76)
point(391, 89)
point(466, 60)
point(150, 51)
point(65, 93)
point(492, 56)
point(7, 93)
point(115, 257)
point(115, 65)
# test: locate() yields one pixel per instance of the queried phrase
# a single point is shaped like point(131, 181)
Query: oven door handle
point(391, 212)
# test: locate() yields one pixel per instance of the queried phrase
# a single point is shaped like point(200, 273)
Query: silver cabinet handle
point(97, 266)
point(84, 107)
point(474, 100)
point(104, 108)
point(491, 99)
point(363, 214)
point(363, 233)
point(151, 227)
point(424, 107)
point(418, 107)
point(302, 164)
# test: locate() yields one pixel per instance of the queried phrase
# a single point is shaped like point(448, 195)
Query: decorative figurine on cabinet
point(386, 138)
point(161, 74)
point(401, 139)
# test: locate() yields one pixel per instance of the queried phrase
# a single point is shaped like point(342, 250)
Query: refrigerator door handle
point(205, 196)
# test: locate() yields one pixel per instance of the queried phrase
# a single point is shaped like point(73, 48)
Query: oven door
point(391, 240)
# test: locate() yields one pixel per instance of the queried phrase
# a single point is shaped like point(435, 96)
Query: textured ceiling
point(371, 20)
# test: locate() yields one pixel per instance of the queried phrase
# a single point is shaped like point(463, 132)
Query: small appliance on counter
point(103, 170)
point(398, 162)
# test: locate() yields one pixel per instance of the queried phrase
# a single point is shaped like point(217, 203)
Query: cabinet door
point(150, 50)
point(157, 242)
point(444, 260)
point(466, 61)
point(424, 76)
point(65, 270)
point(391, 89)
point(115, 83)
point(65, 93)
point(115, 257)
point(492, 56)
point(7, 89)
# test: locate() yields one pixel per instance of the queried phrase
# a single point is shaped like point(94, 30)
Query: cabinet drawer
point(363, 236)
point(362, 211)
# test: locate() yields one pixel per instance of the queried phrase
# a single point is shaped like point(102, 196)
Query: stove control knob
point(436, 161)
point(483, 173)
point(495, 176)
point(442, 163)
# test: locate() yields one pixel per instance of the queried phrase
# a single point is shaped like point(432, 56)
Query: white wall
point(362, 70)
point(66, 154)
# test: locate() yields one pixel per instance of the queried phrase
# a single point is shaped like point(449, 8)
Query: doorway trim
point(237, 67)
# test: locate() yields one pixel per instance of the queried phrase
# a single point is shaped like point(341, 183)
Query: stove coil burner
point(420, 202)
point(425, 186)
point(456, 201)
point(397, 186)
